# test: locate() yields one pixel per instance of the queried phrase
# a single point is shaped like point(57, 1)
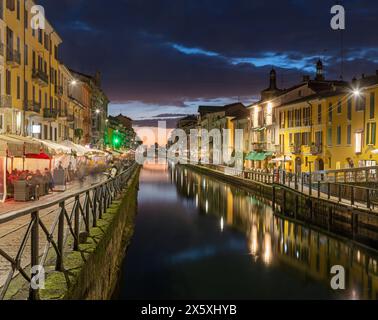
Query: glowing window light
point(358, 140)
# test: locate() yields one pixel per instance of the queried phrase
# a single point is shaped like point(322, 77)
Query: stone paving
point(12, 232)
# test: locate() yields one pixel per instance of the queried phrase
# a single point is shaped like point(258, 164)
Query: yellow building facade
point(334, 129)
point(32, 96)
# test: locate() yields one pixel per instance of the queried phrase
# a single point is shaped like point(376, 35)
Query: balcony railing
point(13, 57)
point(316, 149)
point(295, 149)
point(32, 106)
point(50, 113)
point(59, 90)
point(70, 118)
point(5, 101)
point(62, 113)
point(259, 146)
point(41, 77)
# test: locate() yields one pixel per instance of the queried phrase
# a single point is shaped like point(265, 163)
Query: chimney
point(273, 80)
point(98, 78)
point(376, 72)
point(363, 76)
point(319, 71)
point(306, 78)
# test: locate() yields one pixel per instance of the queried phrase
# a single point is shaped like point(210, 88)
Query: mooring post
point(87, 211)
point(329, 217)
point(352, 195)
point(76, 224)
point(319, 189)
point(296, 206)
point(34, 262)
point(274, 198)
point(59, 259)
point(329, 190)
point(309, 185)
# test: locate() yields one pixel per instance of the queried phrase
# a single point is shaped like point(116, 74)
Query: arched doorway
point(298, 165)
point(319, 165)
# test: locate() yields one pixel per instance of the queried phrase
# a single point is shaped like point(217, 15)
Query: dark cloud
point(166, 52)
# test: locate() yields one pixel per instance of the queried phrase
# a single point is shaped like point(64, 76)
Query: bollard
point(59, 259)
point(34, 236)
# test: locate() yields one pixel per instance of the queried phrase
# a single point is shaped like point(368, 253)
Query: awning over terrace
point(258, 156)
point(11, 147)
point(30, 146)
point(54, 148)
point(81, 150)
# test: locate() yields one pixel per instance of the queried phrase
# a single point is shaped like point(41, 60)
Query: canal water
point(199, 238)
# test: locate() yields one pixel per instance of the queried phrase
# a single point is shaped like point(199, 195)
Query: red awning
point(38, 156)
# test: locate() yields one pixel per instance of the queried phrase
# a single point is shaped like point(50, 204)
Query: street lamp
point(356, 92)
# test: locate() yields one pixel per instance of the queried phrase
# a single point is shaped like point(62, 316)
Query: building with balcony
point(220, 118)
point(30, 73)
point(305, 117)
point(95, 104)
point(262, 135)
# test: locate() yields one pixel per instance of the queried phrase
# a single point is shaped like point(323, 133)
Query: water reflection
point(278, 243)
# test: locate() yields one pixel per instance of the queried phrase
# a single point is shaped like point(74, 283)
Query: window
point(319, 113)
point(34, 59)
point(306, 137)
point(11, 5)
point(358, 139)
point(18, 88)
point(349, 109)
point(26, 19)
point(26, 53)
point(372, 105)
point(371, 130)
point(349, 134)
point(338, 140)
point(373, 133)
point(2, 122)
point(18, 9)
point(330, 112)
point(40, 36)
point(318, 138)
point(26, 91)
point(8, 87)
point(360, 102)
point(339, 106)
point(329, 136)
point(307, 116)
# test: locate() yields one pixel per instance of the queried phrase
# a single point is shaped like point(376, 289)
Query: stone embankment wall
point(93, 271)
